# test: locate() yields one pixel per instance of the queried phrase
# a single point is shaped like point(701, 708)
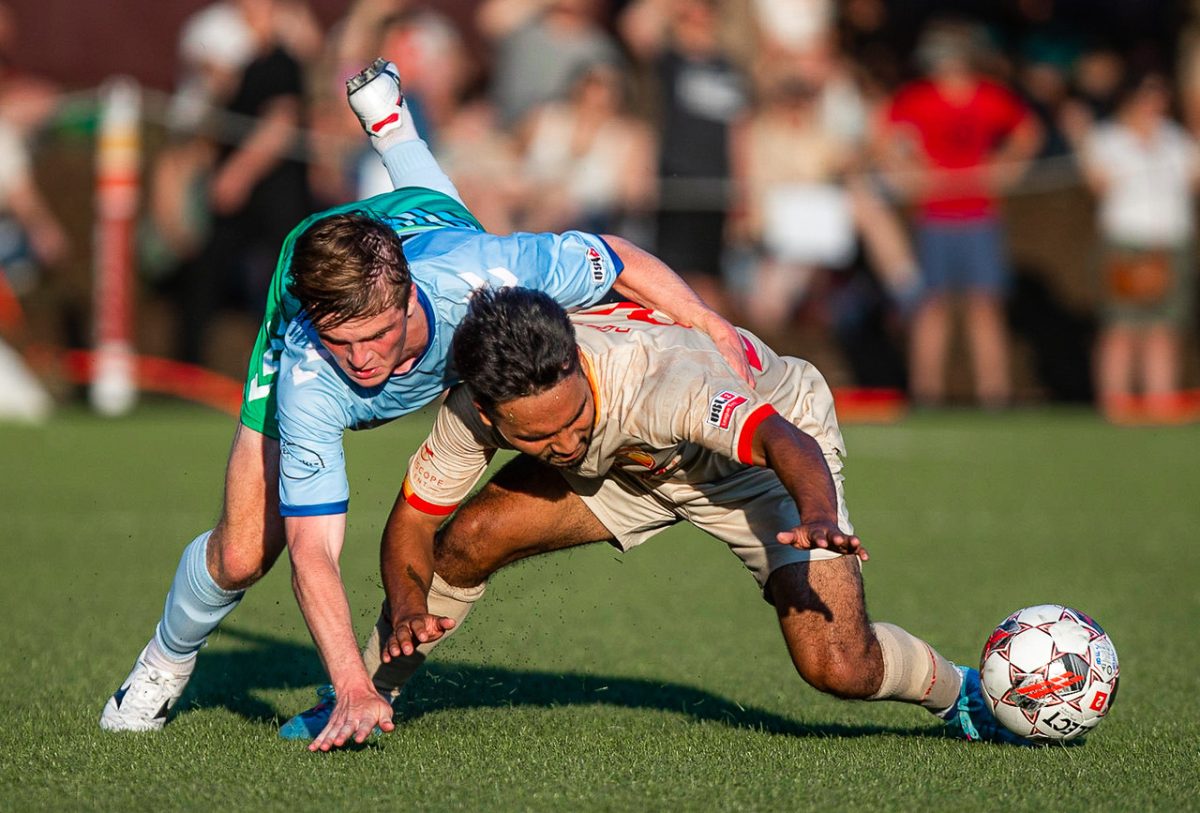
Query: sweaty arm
point(649, 281)
point(797, 459)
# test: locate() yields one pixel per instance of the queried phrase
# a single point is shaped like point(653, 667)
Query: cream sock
point(443, 599)
point(913, 672)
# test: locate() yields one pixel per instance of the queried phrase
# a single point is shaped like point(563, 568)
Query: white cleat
point(376, 98)
point(145, 698)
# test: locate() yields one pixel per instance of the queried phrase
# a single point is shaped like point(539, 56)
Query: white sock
point(156, 657)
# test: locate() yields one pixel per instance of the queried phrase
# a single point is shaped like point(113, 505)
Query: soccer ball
point(1049, 673)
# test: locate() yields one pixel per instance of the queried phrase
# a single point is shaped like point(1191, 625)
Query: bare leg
point(928, 342)
point(525, 510)
point(823, 616)
point(1114, 371)
point(1160, 361)
point(988, 335)
point(212, 573)
point(249, 535)
point(837, 650)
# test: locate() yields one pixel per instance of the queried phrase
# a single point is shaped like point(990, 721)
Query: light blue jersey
point(318, 402)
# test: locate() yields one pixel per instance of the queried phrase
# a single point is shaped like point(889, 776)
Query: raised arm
point(649, 281)
point(800, 465)
point(315, 545)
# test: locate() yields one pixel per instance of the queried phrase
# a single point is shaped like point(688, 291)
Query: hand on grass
point(355, 716)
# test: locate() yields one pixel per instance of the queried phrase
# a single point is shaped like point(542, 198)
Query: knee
point(848, 674)
point(237, 557)
point(455, 559)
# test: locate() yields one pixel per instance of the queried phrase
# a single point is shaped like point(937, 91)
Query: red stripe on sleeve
point(424, 506)
point(745, 443)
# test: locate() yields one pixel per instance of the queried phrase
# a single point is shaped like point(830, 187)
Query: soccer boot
point(376, 98)
point(145, 698)
point(308, 724)
point(970, 718)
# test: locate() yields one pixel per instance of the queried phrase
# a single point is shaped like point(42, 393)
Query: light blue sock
point(195, 605)
point(410, 163)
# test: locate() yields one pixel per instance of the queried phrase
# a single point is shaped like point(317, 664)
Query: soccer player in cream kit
point(627, 424)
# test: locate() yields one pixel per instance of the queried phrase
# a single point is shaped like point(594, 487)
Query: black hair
point(512, 343)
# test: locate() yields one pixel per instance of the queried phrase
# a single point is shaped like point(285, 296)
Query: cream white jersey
point(671, 415)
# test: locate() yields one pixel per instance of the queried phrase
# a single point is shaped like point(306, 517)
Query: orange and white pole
point(118, 155)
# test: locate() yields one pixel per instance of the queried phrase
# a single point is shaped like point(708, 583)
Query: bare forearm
point(406, 559)
point(797, 459)
point(317, 583)
point(649, 281)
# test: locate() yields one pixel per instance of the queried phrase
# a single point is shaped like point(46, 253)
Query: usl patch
point(721, 408)
point(597, 263)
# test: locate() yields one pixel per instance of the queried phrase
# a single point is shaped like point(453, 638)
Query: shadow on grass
point(230, 680)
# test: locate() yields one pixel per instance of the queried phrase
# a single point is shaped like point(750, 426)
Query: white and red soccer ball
point(1049, 673)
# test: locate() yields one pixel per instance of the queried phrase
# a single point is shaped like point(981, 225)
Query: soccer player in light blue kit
point(384, 283)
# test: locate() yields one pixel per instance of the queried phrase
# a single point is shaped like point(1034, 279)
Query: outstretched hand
point(411, 631)
point(355, 716)
point(824, 536)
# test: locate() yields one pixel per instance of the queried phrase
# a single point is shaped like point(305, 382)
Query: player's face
point(555, 426)
point(369, 350)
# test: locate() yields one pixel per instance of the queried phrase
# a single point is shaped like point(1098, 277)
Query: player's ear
point(413, 303)
point(483, 416)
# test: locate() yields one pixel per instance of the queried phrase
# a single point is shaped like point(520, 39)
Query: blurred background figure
point(30, 239)
point(258, 191)
point(484, 161)
point(698, 93)
point(794, 214)
point(215, 43)
point(27, 99)
point(956, 140)
point(809, 224)
point(1144, 169)
point(539, 48)
point(589, 164)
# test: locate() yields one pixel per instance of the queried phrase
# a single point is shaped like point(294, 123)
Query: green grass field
point(590, 680)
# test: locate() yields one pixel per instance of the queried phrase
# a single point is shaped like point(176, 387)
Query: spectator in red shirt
point(955, 140)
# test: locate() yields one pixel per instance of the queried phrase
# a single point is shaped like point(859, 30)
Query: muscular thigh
point(527, 508)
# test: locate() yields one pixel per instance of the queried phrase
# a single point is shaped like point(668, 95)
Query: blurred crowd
point(837, 167)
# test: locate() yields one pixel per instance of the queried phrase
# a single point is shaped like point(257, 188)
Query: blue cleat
point(970, 719)
point(308, 724)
